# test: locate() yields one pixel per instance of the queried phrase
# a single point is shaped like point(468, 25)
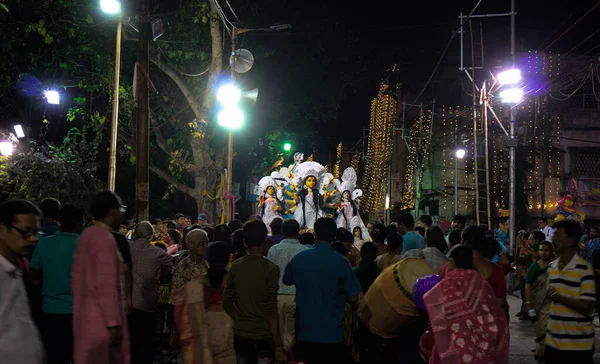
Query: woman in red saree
point(468, 324)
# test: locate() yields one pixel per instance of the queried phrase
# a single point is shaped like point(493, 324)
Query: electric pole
point(512, 143)
point(142, 133)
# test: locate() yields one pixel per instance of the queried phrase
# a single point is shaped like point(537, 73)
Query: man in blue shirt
point(411, 239)
point(324, 283)
point(52, 261)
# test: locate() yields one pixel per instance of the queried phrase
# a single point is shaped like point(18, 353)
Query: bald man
point(147, 262)
point(194, 265)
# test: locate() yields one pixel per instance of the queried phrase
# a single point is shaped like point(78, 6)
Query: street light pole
point(142, 132)
point(512, 143)
point(229, 200)
point(112, 168)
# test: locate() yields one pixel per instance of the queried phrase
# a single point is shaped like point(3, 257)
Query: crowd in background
point(82, 287)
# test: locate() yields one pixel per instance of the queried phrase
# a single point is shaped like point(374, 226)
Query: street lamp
point(114, 7)
point(52, 97)
point(19, 131)
point(511, 95)
point(459, 154)
point(6, 148)
point(509, 77)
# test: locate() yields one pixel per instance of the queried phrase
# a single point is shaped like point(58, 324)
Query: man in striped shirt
point(571, 288)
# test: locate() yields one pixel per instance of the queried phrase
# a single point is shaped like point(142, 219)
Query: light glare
point(110, 6)
point(287, 147)
point(510, 77)
point(231, 117)
point(460, 153)
point(19, 131)
point(511, 96)
point(229, 95)
point(6, 148)
point(52, 97)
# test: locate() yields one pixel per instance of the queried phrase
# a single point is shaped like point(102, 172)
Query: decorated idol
point(286, 191)
point(331, 197)
point(309, 200)
point(269, 206)
point(348, 213)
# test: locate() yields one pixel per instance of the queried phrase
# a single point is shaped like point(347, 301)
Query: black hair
point(546, 242)
point(420, 230)
point(460, 218)
point(493, 245)
point(571, 228)
point(275, 226)
point(11, 208)
point(394, 241)
point(307, 238)
point(317, 200)
point(239, 247)
point(340, 247)
point(406, 219)
point(434, 236)
point(392, 229)
point(353, 230)
point(325, 229)
point(71, 218)
point(264, 205)
point(235, 225)
point(210, 232)
point(255, 233)
point(290, 228)
point(175, 235)
point(103, 202)
point(178, 216)
point(217, 256)
point(455, 237)
point(379, 233)
point(426, 219)
point(462, 256)
point(223, 233)
point(50, 208)
point(368, 253)
point(474, 236)
point(538, 235)
point(156, 221)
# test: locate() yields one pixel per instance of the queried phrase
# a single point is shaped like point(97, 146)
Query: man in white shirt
point(547, 230)
point(19, 338)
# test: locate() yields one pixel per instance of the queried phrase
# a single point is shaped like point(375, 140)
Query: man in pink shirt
point(99, 321)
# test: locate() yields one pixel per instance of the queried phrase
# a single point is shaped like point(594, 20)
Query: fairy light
point(355, 162)
point(338, 161)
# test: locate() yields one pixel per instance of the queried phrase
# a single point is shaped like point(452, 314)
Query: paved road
point(522, 338)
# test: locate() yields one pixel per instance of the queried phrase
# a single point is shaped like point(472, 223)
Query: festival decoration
point(566, 205)
point(269, 205)
point(309, 201)
point(331, 197)
point(422, 286)
point(348, 216)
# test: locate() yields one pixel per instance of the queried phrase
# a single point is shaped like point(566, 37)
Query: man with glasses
point(19, 338)
point(99, 321)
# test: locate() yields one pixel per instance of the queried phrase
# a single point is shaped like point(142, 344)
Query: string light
point(338, 161)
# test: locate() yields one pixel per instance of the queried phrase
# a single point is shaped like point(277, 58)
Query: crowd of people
point(79, 287)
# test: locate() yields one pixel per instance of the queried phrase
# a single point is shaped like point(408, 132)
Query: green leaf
point(89, 19)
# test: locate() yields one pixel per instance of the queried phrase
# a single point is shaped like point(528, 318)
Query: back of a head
point(340, 247)
point(368, 253)
point(307, 238)
point(50, 208)
point(460, 219)
point(394, 242)
point(223, 233)
point(103, 203)
point(474, 236)
point(255, 233)
point(235, 225)
point(217, 257)
point(379, 233)
point(462, 255)
point(11, 208)
point(238, 239)
point(325, 229)
point(434, 236)
point(539, 236)
point(571, 229)
point(419, 230)
point(392, 229)
point(144, 230)
point(455, 237)
point(275, 226)
point(290, 228)
point(71, 218)
point(406, 219)
point(210, 232)
point(426, 219)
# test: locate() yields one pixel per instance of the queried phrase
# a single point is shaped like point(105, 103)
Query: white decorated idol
point(309, 200)
point(348, 210)
point(331, 197)
point(269, 205)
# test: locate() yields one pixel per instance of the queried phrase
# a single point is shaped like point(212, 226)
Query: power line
point(565, 32)
point(446, 50)
point(583, 41)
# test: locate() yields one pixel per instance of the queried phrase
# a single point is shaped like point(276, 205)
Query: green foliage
point(67, 171)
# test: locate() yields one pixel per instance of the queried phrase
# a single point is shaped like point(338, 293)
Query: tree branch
point(160, 138)
point(171, 180)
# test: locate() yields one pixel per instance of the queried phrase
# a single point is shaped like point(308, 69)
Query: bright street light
point(19, 131)
point(511, 96)
point(6, 148)
point(510, 77)
point(287, 147)
point(231, 117)
point(52, 97)
point(460, 153)
point(110, 6)
point(229, 95)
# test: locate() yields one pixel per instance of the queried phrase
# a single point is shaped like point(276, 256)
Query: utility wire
point(464, 21)
point(569, 28)
point(583, 41)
